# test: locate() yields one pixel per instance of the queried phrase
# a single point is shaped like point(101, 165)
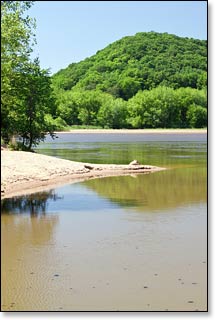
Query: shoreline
point(137, 131)
point(25, 172)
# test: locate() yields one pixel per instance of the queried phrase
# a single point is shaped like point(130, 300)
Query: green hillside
point(102, 90)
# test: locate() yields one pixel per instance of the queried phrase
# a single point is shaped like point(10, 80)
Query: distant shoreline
point(137, 131)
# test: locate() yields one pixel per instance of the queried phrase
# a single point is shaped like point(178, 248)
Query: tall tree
point(36, 102)
point(17, 39)
point(26, 96)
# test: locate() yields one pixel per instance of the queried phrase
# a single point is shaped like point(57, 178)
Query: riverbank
point(26, 172)
point(140, 131)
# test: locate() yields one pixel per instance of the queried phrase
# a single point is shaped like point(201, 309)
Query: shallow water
point(135, 242)
point(155, 149)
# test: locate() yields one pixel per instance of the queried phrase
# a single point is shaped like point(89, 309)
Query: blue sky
point(70, 31)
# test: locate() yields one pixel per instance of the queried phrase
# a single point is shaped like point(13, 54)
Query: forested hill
point(139, 62)
point(148, 80)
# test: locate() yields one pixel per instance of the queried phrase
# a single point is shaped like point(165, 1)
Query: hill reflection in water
point(157, 191)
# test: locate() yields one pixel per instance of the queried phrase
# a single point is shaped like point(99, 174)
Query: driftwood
point(134, 163)
point(88, 167)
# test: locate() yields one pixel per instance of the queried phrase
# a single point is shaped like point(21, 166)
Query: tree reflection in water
point(25, 220)
point(34, 204)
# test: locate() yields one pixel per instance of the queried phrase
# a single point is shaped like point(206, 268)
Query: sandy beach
point(136, 131)
point(26, 172)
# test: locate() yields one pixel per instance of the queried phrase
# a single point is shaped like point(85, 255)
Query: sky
point(70, 31)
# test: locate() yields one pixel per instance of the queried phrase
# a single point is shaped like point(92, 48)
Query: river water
point(135, 242)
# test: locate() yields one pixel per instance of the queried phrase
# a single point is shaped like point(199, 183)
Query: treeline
point(161, 107)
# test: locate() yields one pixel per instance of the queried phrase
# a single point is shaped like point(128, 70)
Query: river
point(130, 243)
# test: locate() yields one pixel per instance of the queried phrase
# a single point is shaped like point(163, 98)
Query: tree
point(26, 95)
point(167, 108)
point(17, 38)
point(197, 116)
point(68, 107)
point(129, 87)
point(36, 103)
point(88, 107)
point(112, 113)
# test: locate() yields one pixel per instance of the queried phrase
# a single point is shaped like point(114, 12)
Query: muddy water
point(119, 243)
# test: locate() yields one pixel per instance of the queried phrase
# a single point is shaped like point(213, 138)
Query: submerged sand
point(26, 172)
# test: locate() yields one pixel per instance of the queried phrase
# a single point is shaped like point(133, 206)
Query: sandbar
point(29, 172)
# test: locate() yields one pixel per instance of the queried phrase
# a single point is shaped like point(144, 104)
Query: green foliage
point(112, 113)
point(16, 41)
point(197, 116)
point(78, 107)
point(89, 104)
point(67, 107)
point(128, 87)
point(148, 80)
point(26, 95)
point(161, 107)
point(57, 123)
point(36, 102)
point(140, 62)
point(167, 108)
point(17, 146)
